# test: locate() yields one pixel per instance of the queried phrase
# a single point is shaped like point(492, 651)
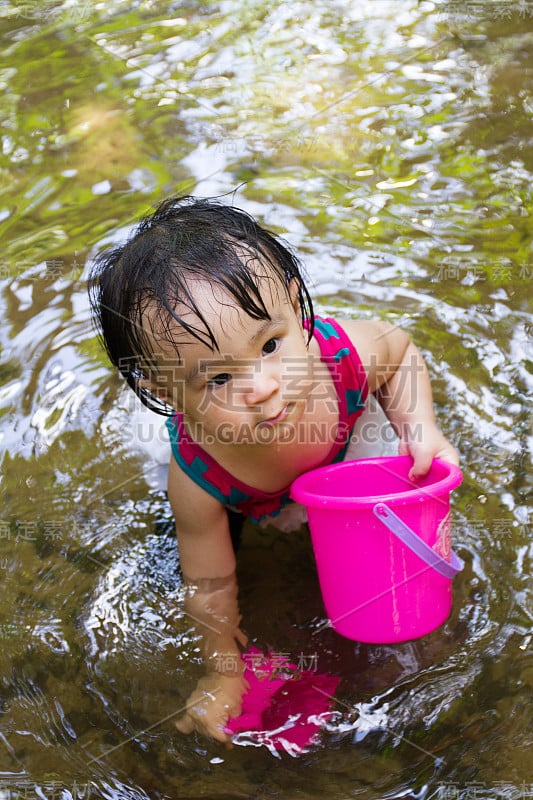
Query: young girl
point(207, 317)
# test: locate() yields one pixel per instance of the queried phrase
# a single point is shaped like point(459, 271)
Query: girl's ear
point(156, 391)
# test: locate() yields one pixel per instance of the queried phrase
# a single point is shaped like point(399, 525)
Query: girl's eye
point(219, 380)
point(270, 347)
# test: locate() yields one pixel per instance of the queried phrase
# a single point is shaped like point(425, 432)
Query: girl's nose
point(262, 386)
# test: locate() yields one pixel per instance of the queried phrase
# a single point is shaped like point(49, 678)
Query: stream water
point(390, 143)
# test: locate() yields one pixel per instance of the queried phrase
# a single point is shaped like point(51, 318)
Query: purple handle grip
point(448, 569)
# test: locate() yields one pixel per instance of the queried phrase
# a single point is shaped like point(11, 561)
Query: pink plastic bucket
point(382, 545)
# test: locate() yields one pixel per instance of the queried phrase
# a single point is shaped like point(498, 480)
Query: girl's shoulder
point(364, 332)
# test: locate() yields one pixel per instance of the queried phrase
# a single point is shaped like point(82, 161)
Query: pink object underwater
point(382, 545)
point(284, 707)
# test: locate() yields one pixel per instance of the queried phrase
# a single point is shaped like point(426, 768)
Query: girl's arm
point(398, 375)
point(208, 564)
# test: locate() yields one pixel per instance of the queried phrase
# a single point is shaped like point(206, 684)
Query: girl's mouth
point(280, 417)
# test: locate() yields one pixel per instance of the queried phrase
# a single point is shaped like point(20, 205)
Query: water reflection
point(391, 146)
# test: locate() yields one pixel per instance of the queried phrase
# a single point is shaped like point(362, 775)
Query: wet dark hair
point(185, 240)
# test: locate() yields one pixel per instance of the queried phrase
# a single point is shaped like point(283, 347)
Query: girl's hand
point(216, 699)
point(424, 443)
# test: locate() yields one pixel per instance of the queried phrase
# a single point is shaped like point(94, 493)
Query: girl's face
point(259, 381)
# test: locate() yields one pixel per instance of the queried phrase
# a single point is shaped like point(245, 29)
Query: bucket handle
point(448, 569)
